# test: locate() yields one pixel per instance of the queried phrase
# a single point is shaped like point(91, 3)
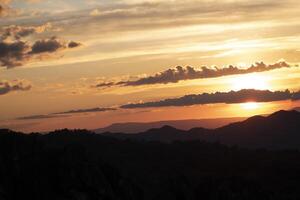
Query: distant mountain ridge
point(278, 130)
point(137, 127)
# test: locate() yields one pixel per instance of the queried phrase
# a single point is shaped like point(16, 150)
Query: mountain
point(297, 109)
point(137, 127)
point(79, 164)
point(278, 130)
point(163, 134)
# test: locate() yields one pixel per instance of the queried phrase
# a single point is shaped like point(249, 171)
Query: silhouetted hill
point(163, 134)
point(58, 166)
point(278, 130)
point(79, 164)
point(297, 109)
point(137, 127)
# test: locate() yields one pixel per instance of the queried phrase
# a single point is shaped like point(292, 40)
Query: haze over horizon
point(92, 63)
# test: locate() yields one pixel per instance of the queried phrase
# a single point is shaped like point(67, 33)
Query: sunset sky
point(90, 63)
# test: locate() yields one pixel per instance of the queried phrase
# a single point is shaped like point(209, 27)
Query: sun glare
point(250, 105)
point(250, 81)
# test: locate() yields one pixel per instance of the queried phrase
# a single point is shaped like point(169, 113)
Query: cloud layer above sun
point(179, 73)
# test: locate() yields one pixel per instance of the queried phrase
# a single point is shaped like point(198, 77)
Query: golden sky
point(78, 55)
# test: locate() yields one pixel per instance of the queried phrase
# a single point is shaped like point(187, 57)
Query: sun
point(250, 105)
point(250, 81)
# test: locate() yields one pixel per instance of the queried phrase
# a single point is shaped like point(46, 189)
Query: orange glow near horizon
point(98, 120)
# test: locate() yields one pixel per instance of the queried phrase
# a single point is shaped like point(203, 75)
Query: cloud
point(179, 73)
point(65, 114)
point(95, 12)
point(1, 10)
point(47, 46)
point(241, 96)
point(33, 1)
point(16, 49)
point(141, 15)
point(16, 85)
point(4, 7)
point(73, 44)
point(13, 54)
point(105, 84)
point(32, 117)
point(51, 45)
point(18, 32)
point(88, 110)
point(6, 10)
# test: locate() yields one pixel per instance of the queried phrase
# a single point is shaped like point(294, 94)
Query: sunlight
point(250, 81)
point(250, 106)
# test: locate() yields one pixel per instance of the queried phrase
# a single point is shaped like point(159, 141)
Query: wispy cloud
point(50, 116)
point(89, 110)
point(66, 113)
point(162, 26)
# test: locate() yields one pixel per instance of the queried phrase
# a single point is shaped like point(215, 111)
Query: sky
point(90, 63)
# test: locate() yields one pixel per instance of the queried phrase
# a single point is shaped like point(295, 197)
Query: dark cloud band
point(242, 96)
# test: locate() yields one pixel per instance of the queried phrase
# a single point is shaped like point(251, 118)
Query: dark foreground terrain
point(79, 165)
